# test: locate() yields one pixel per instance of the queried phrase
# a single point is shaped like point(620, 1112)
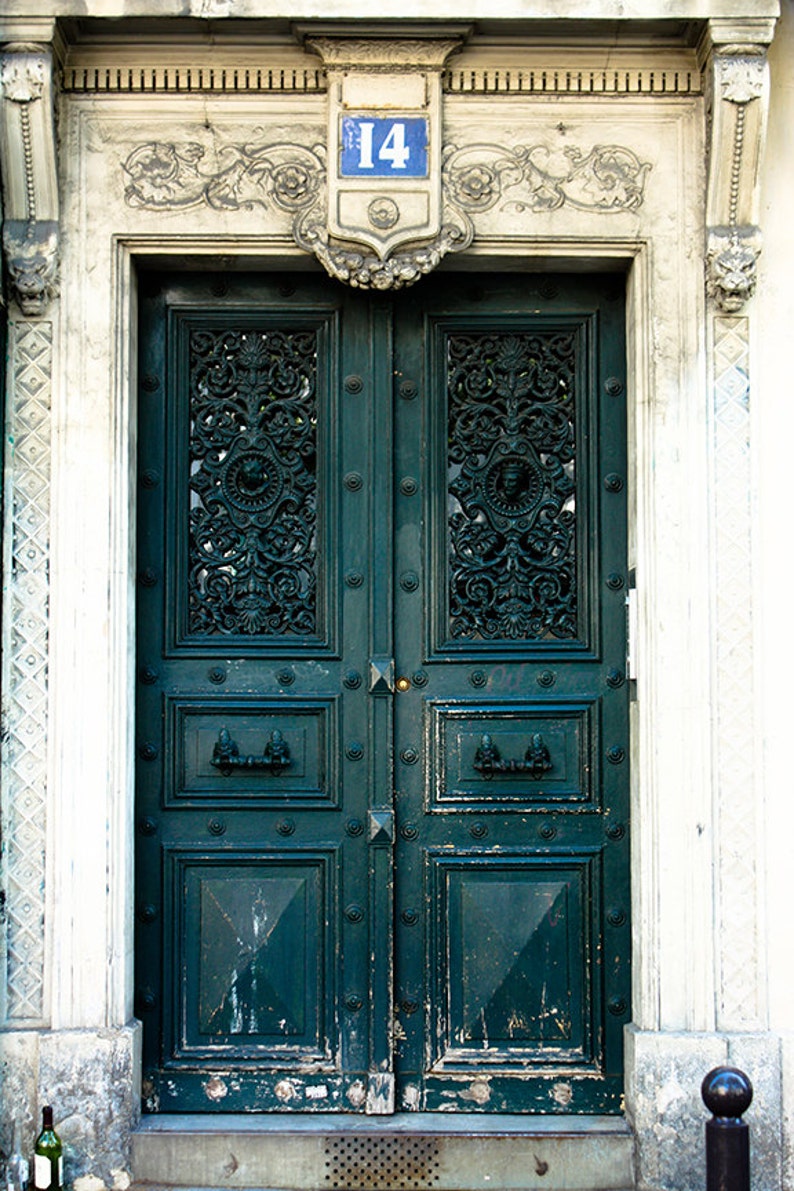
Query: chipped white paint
point(285, 1091)
point(478, 1092)
point(356, 1093)
point(380, 1093)
point(317, 1092)
point(562, 1092)
point(215, 1088)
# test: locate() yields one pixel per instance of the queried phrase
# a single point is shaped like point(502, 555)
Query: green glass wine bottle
point(47, 1156)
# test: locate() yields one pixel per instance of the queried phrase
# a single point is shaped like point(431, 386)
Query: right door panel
point(511, 716)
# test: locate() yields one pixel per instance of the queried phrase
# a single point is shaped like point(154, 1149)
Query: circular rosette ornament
point(253, 482)
point(474, 186)
point(509, 485)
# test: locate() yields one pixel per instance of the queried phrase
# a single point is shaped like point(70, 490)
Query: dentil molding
point(30, 184)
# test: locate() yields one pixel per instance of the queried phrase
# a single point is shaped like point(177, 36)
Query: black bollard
point(727, 1093)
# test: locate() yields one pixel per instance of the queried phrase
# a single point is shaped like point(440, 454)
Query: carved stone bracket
point(738, 88)
point(731, 266)
point(28, 166)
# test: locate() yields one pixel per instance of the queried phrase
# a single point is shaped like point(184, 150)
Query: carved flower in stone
point(293, 184)
point(476, 186)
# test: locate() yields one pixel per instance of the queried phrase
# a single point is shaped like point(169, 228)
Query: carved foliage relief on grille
point(253, 500)
point(511, 486)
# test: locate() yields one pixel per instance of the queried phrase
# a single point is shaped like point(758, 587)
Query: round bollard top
point(726, 1092)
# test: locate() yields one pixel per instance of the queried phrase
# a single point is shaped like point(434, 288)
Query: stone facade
point(561, 149)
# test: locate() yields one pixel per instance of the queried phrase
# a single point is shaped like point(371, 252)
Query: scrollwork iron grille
point(252, 543)
point(511, 478)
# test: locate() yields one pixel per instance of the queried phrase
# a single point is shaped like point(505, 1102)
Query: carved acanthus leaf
point(27, 146)
point(366, 270)
point(742, 77)
point(164, 176)
point(378, 53)
point(22, 77)
point(532, 178)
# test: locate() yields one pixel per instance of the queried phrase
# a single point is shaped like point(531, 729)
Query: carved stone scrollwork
point(605, 179)
point(30, 189)
point(531, 178)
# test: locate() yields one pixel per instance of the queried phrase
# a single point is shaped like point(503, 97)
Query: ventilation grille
point(381, 1163)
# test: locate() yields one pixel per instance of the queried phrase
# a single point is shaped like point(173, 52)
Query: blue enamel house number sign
point(377, 147)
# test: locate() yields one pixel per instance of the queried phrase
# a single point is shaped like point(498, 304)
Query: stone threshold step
point(408, 1152)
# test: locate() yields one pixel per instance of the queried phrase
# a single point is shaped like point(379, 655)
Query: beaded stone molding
point(739, 85)
point(27, 151)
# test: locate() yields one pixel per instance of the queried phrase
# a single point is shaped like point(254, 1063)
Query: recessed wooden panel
point(464, 736)
point(512, 978)
point(254, 950)
point(306, 728)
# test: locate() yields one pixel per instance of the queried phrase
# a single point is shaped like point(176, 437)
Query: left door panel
point(252, 885)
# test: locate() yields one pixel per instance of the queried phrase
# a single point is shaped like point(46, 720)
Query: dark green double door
point(382, 849)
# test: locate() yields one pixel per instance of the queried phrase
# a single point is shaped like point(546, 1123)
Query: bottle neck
point(46, 1117)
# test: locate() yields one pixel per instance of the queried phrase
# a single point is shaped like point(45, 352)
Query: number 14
point(393, 149)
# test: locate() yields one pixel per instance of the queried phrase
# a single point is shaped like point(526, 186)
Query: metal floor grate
point(381, 1163)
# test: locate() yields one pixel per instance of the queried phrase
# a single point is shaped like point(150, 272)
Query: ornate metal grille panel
point(511, 476)
point(252, 547)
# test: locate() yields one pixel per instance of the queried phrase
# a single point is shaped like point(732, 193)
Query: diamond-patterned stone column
point(25, 643)
point(734, 55)
point(740, 976)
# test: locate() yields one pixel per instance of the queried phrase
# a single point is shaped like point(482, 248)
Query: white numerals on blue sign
point(383, 148)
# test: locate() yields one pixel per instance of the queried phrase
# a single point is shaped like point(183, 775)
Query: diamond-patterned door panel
point(256, 948)
point(513, 985)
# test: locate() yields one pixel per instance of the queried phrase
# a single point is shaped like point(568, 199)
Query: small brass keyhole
point(403, 684)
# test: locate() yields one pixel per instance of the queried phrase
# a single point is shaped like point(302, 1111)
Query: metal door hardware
point(226, 754)
point(535, 762)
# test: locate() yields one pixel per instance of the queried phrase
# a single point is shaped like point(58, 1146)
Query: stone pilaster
point(30, 184)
